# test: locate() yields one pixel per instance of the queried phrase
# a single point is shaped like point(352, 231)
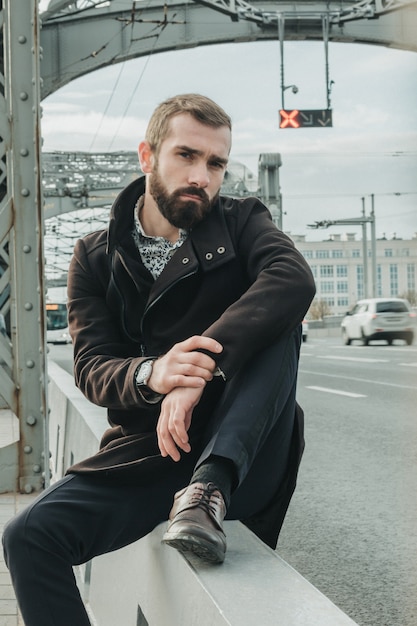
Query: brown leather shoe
point(196, 522)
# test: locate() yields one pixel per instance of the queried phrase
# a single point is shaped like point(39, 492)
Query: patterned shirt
point(155, 252)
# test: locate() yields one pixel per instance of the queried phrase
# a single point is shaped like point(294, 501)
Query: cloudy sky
point(371, 149)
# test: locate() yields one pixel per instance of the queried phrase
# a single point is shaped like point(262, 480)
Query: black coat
point(236, 278)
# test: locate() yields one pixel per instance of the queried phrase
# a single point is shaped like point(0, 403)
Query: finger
point(168, 442)
point(199, 342)
point(197, 364)
point(167, 447)
point(179, 432)
point(188, 381)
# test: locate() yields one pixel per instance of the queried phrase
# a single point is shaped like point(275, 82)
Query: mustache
point(195, 191)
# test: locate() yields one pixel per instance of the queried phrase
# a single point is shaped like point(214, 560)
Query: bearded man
point(185, 319)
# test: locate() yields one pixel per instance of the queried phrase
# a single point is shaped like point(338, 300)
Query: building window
point(327, 286)
point(337, 254)
point(322, 254)
point(393, 279)
point(341, 271)
point(326, 270)
point(329, 301)
point(342, 286)
point(378, 281)
point(411, 277)
point(359, 280)
point(307, 254)
point(356, 253)
point(406, 252)
point(343, 302)
point(314, 270)
point(388, 252)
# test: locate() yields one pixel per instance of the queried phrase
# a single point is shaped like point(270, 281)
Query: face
point(186, 176)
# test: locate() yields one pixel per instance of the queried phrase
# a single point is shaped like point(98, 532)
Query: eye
point(185, 155)
point(217, 165)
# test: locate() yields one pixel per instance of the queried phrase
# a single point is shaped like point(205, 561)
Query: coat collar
point(208, 245)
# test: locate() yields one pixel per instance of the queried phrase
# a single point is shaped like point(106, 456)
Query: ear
point(146, 158)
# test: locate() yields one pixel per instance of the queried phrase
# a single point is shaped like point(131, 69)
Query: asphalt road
point(351, 528)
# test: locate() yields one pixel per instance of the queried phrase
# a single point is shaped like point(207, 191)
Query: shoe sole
point(189, 543)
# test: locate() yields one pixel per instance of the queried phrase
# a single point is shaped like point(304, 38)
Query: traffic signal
point(307, 118)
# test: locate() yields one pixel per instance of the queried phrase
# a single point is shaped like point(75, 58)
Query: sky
point(325, 173)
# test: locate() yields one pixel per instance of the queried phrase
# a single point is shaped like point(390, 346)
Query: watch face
point(144, 373)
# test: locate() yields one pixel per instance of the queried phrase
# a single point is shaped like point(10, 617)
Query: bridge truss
point(81, 36)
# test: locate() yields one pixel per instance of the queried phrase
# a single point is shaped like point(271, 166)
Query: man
point(185, 317)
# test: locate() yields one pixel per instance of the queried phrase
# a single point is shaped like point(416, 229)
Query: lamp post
point(281, 29)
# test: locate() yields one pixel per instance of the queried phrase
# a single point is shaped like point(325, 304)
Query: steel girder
point(81, 36)
point(22, 347)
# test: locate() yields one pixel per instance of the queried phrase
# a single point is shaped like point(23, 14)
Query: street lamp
point(294, 88)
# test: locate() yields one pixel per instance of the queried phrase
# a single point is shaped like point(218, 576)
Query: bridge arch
point(76, 42)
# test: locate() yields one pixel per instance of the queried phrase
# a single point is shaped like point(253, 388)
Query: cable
point(133, 94)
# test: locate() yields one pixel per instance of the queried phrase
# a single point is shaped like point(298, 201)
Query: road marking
point(337, 391)
point(384, 348)
point(359, 380)
point(353, 358)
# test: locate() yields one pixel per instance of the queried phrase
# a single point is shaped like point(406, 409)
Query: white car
point(379, 318)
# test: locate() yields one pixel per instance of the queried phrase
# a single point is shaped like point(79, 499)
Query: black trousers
point(81, 517)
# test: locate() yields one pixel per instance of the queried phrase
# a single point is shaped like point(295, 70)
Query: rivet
point(209, 256)
point(25, 192)
point(26, 248)
point(24, 152)
point(30, 364)
point(27, 449)
point(22, 39)
point(28, 488)
point(23, 95)
point(221, 250)
point(28, 306)
point(31, 420)
point(37, 469)
point(185, 260)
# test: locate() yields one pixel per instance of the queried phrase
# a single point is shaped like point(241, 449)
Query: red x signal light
point(305, 118)
point(289, 119)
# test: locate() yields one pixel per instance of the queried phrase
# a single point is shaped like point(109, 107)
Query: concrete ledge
point(148, 584)
point(75, 424)
point(151, 584)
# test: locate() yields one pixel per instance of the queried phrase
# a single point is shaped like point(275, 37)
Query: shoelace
point(204, 496)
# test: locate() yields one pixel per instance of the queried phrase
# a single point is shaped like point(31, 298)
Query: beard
point(180, 213)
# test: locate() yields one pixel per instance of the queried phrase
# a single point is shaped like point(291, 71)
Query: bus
point(57, 323)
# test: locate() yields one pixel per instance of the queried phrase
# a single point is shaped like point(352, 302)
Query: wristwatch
point(143, 374)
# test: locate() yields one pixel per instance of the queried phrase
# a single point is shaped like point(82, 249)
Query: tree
point(411, 296)
point(319, 309)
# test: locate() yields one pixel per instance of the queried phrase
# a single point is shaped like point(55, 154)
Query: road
point(351, 528)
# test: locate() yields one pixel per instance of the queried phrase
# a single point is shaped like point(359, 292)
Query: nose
point(199, 175)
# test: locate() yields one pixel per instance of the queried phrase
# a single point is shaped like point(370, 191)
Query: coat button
point(185, 260)
point(209, 256)
point(221, 250)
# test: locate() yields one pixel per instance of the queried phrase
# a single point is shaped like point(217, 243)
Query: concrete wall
point(150, 584)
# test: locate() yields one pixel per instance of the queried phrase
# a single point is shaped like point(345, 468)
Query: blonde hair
point(201, 108)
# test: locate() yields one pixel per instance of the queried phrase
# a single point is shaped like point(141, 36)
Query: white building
point(337, 264)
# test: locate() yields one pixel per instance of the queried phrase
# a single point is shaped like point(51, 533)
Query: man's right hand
point(183, 366)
